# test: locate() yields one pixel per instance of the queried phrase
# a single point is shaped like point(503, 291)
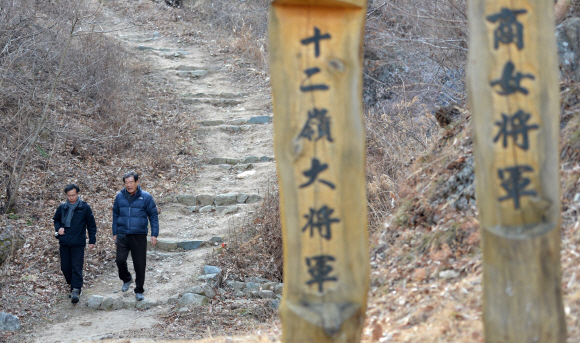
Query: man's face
point(72, 196)
point(131, 184)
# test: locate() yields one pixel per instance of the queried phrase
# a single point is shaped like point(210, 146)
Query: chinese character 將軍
point(514, 183)
point(313, 172)
point(319, 118)
point(320, 220)
point(319, 269)
point(509, 29)
point(316, 40)
point(515, 126)
point(509, 82)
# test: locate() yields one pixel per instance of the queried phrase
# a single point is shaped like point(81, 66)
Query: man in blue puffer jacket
point(133, 210)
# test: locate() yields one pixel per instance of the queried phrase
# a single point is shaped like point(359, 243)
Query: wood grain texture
point(332, 311)
point(521, 242)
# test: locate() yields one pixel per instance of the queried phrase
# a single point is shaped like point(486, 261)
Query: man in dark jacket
point(132, 211)
point(72, 220)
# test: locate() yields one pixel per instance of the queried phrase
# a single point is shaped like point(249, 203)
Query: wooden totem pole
point(316, 75)
point(514, 98)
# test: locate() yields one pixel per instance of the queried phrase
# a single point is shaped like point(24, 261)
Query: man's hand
point(153, 241)
point(61, 231)
point(115, 239)
point(91, 246)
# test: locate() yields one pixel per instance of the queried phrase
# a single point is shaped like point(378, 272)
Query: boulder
point(189, 245)
point(568, 42)
point(207, 209)
point(242, 198)
point(190, 299)
point(164, 244)
point(279, 288)
point(267, 294)
point(253, 198)
point(107, 304)
point(252, 286)
point(207, 269)
point(269, 286)
point(204, 289)
point(205, 199)
point(260, 120)
point(212, 123)
point(193, 209)
point(9, 322)
point(240, 294)
point(95, 302)
point(187, 199)
point(217, 160)
point(266, 159)
point(118, 303)
point(10, 241)
point(227, 209)
point(257, 279)
point(251, 159)
point(145, 304)
point(216, 239)
point(274, 304)
point(174, 299)
point(129, 304)
point(226, 199)
point(232, 161)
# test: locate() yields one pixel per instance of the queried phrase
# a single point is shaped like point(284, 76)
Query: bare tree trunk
point(42, 119)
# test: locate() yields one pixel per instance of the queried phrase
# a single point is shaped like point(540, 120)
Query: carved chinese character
point(514, 183)
point(313, 172)
point(316, 40)
point(509, 29)
point(319, 270)
point(509, 82)
point(321, 120)
point(320, 87)
point(320, 220)
point(515, 126)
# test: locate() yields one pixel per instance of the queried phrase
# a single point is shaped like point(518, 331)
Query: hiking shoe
point(139, 296)
point(75, 295)
point(126, 285)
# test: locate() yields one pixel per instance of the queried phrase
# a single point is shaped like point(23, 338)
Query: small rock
point(260, 120)
point(279, 288)
point(226, 199)
point(251, 159)
point(174, 299)
point(269, 286)
point(242, 167)
point(448, 274)
point(217, 160)
point(188, 73)
point(118, 303)
point(206, 209)
point(207, 269)
point(238, 121)
point(253, 198)
point(163, 244)
point(245, 174)
point(225, 166)
point(274, 304)
point(189, 245)
point(267, 294)
point(419, 274)
point(237, 285)
point(9, 322)
point(187, 199)
point(95, 302)
point(107, 304)
point(189, 299)
point(232, 161)
point(212, 123)
point(204, 289)
point(216, 240)
point(242, 198)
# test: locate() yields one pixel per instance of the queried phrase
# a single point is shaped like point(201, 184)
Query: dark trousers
point(137, 245)
point(72, 259)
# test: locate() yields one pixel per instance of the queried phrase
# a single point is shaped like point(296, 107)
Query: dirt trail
point(202, 81)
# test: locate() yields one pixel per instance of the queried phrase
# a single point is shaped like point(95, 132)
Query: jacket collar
point(138, 193)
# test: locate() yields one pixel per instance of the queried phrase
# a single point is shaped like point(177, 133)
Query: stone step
point(212, 101)
point(238, 121)
point(202, 200)
point(245, 160)
point(172, 245)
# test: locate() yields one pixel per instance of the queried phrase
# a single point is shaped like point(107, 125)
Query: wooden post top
point(322, 3)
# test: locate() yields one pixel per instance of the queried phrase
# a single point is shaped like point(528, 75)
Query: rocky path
point(236, 134)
